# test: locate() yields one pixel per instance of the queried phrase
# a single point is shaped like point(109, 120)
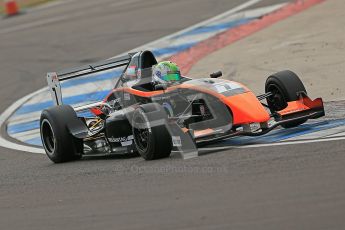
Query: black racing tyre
point(285, 86)
point(60, 146)
point(151, 136)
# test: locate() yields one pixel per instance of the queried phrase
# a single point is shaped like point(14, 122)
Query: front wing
point(296, 111)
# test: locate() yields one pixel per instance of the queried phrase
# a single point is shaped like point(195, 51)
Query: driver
point(166, 72)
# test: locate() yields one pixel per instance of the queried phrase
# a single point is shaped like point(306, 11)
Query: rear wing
point(54, 78)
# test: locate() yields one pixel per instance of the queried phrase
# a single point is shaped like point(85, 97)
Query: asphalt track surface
point(280, 187)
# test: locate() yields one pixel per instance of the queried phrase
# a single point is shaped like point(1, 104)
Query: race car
point(155, 118)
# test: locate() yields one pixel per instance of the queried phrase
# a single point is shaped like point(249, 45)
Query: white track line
point(342, 134)
point(46, 6)
point(180, 40)
point(127, 2)
point(4, 117)
point(208, 21)
point(33, 24)
point(27, 135)
point(273, 144)
point(319, 135)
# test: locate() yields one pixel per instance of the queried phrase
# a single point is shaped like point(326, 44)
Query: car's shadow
point(109, 157)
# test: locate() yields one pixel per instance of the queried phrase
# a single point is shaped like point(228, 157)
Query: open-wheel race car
point(141, 114)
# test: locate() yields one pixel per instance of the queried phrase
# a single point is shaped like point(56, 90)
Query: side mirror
point(160, 87)
point(216, 74)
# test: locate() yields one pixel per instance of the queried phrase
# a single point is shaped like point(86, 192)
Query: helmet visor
point(172, 76)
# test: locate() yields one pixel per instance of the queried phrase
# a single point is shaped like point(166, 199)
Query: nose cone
point(246, 108)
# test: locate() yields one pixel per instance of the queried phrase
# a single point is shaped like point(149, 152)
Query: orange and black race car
point(154, 118)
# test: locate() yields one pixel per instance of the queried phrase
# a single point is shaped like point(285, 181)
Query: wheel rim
point(48, 137)
point(277, 101)
point(141, 133)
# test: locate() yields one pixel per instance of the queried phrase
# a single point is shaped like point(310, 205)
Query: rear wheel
point(285, 87)
point(59, 145)
point(151, 136)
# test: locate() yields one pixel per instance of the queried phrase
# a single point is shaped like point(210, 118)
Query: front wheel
point(285, 87)
point(151, 136)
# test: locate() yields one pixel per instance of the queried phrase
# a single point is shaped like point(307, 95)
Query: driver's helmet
point(166, 71)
